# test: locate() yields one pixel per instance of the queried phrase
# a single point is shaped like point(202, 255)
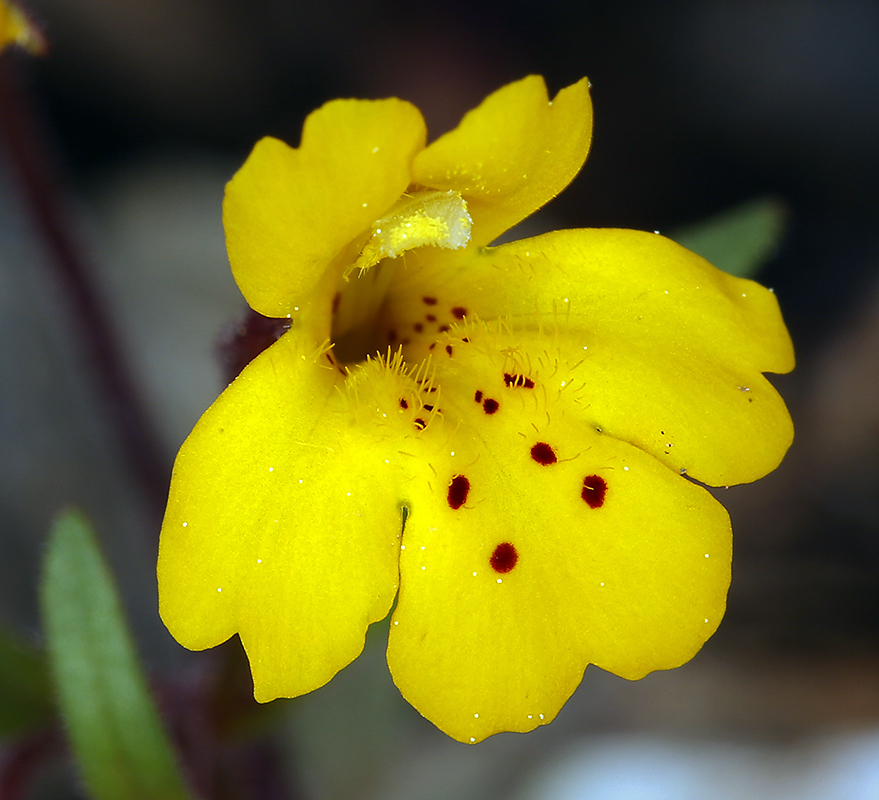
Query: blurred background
point(147, 108)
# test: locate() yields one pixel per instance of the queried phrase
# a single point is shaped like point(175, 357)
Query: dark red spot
point(427, 407)
point(331, 359)
point(420, 423)
point(459, 312)
point(504, 557)
point(465, 339)
point(432, 345)
point(594, 490)
point(418, 327)
point(478, 396)
point(449, 349)
point(542, 453)
point(459, 488)
point(490, 406)
point(392, 336)
point(430, 318)
point(403, 403)
point(431, 301)
point(336, 300)
point(518, 380)
point(405, 341)
point(443, 328)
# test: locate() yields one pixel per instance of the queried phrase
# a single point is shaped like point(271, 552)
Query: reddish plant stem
point(24, 759)
point(126, 413)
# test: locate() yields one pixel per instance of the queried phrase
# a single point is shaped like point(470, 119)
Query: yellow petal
point(535, 545)
point(511, 154)
point(283, 521)
point(15, 28)
point(663, 350)
point(289, 212)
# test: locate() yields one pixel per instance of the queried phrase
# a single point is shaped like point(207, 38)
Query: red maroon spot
point(420, 423)
point(449, 349)
point(490, 406)
point(542, 453)
point(504, 557)
point(478, 396)
point(336, 300)
point(465, 339)
point(427, 407)
point(430, 318)
point(392, 336)
point(594, 490)
point(431, 301)
point(443, 328)
point(518, 380)
point(418, 327)
point(459, 488)
point(432, 345)
point(459, 312)
point(403, 403)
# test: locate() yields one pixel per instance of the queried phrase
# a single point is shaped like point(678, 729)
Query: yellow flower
point(15, 28)
point(495, 437)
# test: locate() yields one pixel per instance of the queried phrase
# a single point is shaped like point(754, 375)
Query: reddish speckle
point(392, 336)
point(504, 558)
point(403, 403)
point(459, 488)
point(478, 396)
point(336, 300)
point(518, 380)
point(430, 318)
point(465, 339)
point(418, 327)
point(420, 423)
point(459, 312)
point(449, 349)
point(490, 405)
point(431, 301)
point(443, 328)
point(432, 345)
point(427, 407)
point(594, 490)
point(542, 453)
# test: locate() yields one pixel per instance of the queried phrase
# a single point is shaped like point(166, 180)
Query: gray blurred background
point(148, 107)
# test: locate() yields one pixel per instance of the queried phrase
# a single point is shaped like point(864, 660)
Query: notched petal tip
point(512, 153)
point(289, 211)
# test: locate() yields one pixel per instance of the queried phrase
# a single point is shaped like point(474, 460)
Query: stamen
point(438, 219)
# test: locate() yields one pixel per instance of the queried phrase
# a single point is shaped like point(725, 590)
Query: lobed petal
point(512, 154)
point(289, 212)
point(283, 521)
point(511, 581)
point(666, 352)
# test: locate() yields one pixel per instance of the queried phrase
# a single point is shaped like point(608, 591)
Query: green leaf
point(740, 240)
point(119, 742)
point(25, 692)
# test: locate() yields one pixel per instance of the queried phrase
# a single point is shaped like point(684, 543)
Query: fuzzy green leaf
point(115, 731)
point(25, 693)
point(740, 240)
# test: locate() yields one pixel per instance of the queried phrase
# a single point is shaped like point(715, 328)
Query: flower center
point(420, 219)
point(423, 218)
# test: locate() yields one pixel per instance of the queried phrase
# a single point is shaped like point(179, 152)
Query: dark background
point(149, 106)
